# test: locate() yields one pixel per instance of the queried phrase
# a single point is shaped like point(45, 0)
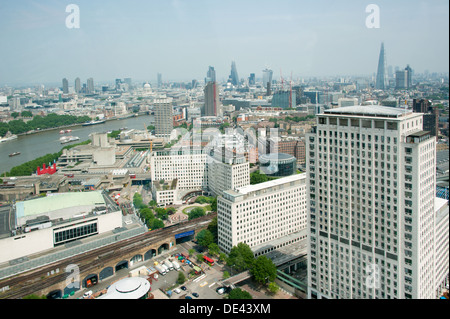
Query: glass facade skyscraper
point(382, 82)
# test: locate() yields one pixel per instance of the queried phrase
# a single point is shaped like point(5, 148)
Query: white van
point(87, 294)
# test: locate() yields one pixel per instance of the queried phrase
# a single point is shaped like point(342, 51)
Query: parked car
point(177, 290)
point(195, 294)
point(184, 288)
point(87, 294)
point(188, 297)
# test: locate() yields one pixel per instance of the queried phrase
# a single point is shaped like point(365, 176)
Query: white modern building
point(187, 165)
point(163, 117)
point(48, 222)
point(227, 170)
point(372, 217)
point(261, 214)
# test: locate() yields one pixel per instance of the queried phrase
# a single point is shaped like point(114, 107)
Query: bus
point(208, 260)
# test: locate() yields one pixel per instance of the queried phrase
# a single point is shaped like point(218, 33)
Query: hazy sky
point(181, 38)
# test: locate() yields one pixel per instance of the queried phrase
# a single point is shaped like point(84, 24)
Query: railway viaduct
point(71, 274)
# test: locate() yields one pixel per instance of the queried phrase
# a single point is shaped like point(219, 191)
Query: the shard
point(382, 81)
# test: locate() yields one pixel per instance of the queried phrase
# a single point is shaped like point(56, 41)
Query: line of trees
point(52, 120)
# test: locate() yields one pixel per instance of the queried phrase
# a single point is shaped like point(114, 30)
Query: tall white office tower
point(163, 118)
point(372, 217)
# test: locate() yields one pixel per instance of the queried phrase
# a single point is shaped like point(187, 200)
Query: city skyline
point(180, 39)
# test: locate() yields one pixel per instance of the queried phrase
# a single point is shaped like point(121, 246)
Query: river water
point(39, 144)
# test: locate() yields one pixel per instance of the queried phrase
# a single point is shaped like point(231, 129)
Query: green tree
point(26, 114)
point(181, 278)
point(263, 270)
point(156, 224)
point(273, 287)
point(191, 251)
point(240, 257)
point(222, 257)
point(137, 201)
point(212, 227)
point(256, 178)
point(226, 275)
point(161, 213)
point(196, 212)
point(238, 293)
point(213, 249)
point(152, 203)
point(15, 114)
point(214, 204)
point(205, 238)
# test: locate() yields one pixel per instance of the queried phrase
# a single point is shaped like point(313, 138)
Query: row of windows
point(74, 233)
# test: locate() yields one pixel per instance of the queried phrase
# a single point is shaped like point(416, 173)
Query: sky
point(182, 38)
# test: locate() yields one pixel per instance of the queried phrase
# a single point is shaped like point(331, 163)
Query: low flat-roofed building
point(44, 223)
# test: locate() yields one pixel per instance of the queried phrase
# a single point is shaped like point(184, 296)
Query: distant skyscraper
point(403, 78)
point(128, 81)
point(212, 101)
point(252, 79)
point(65, 84)
point(159, 78)
point(163, 118)
point(382, 82)
point(267, 79)
point(90, 86)
point(77, 85)
point(234, 75)
point(210, 75)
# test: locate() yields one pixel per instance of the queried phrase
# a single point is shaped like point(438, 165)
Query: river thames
point(42, 143)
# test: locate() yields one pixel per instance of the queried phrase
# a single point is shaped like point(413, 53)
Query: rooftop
point(369, 110)
point(276, 182)
point(57, 201)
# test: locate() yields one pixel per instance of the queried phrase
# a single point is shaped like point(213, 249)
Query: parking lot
point(205, 285)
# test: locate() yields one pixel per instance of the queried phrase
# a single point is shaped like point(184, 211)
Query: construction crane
point(290, 91)
point(282, 80)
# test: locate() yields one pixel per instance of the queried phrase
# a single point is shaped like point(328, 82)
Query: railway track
point(34, 280)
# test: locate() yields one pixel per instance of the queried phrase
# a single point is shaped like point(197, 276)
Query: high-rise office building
point(252, 79)
point(159, 80)
point(227, 172)
point(234, 78)
point(403, 78)
point(77, 85)
point(90, 86)
point(65, 86)
point(163, 118)
point(267, 80)
point(430, 116)
point(382, 80)
point(213, 106)
point(210, 75)
point(373, 218)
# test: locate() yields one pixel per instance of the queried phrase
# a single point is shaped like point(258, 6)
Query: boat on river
point(14, 154)
point(68, 139)
point(93, 122)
